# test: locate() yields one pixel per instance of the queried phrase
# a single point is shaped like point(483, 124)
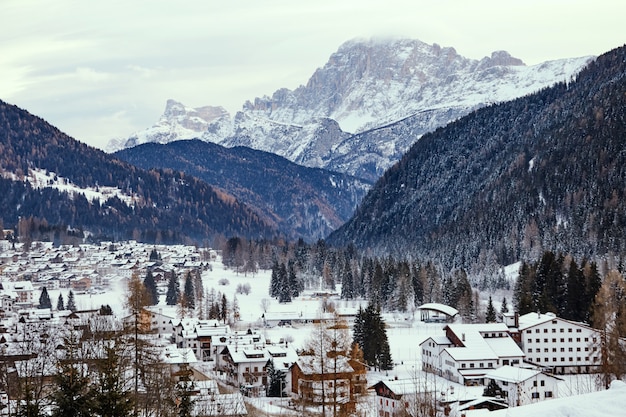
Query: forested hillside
point(167, 206)
point(303, 202)
point(507, 182)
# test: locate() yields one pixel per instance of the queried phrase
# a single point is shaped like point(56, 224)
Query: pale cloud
point(100, 70)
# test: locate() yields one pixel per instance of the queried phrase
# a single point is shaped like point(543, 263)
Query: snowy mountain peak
point(177, 122)
point(364, 85)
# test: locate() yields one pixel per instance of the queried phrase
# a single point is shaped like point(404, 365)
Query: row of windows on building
point(571, 359)
point(561, 330)
point(545, 350)
point(562, 340)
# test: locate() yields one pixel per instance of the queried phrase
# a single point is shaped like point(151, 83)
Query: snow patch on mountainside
point(39, 178)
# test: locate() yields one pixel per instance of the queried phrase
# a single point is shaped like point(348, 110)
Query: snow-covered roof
point(504, 347)
point(533, 319)
point(249, 355)
point(173, 355)
point(514, 374)
point(409, 386)
point(439, 340)
point(611, 402)
point(488, 341)
point(442, 308)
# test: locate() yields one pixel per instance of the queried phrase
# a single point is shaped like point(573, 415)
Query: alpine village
point(213, 269)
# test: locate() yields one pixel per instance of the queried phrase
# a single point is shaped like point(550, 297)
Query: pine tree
point(347, 282)
point(154, 255)
point(574, 308)
point(505, 307)
point(189, 293)
point(112, 397)
point(72, 395)
point(359, 334)
point(276, 380)
point(284, 292)
point(274, 289)
point(173, 290)
point(490, 316)
point(371, 335)
point(292, 280)
point(71, 304)
point(44, 299)
point(224, 308)
point(151, 287)
point(105, 310)
point(60, 303)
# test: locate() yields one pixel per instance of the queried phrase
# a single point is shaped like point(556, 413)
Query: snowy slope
point(365, 85)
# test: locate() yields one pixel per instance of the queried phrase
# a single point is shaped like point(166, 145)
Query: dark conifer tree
point(490, 316)
point(574, 298)
point(359, 333)
point(593, 282)
point(154, 255)
point(113, 396)
point(173, 290)
point(276, 381)
point(105, 310)
point(505, 307)
point(371, 335)
point(284, 292)
point(71, 303)
point(348, 291)
point(189, 293)
point(72, 395)
point(151, 287)
point(275, 281)
point(292, 280)
point(224, 308)
point(523, 291)
point(44, 299)
point(60, 303)
point(418, 286)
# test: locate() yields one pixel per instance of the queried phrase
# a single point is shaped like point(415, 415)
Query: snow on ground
point(39, 178)
point(405, 332)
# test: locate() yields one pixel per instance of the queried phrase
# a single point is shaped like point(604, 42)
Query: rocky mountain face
point(334, 120)
point(303, 202)
point(510, 180)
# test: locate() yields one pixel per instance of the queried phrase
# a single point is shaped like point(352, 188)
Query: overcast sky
point(104, 69)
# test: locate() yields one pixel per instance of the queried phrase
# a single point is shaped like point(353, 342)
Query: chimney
point(463, 337)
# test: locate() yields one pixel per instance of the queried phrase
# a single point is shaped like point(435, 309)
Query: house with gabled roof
point(468, 351)
point(340, 381)
point(404, 396)
point(245, 368)
point(521, 386)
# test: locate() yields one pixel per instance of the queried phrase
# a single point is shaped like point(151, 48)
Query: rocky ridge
point(342, 118)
